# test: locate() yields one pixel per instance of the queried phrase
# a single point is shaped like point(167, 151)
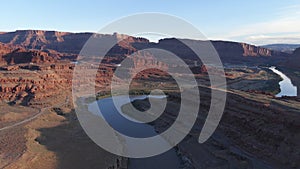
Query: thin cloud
point(280, 30)
point(265, 39)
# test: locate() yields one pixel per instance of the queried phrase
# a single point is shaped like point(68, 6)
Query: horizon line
point(93, 32)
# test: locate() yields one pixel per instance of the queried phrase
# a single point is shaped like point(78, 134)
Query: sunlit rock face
point(48, 52)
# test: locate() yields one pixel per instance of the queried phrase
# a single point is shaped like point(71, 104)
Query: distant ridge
point(72, 43)
point(288, 48)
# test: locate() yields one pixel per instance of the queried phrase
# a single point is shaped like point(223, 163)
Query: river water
point(167, 160)
point(286, 86)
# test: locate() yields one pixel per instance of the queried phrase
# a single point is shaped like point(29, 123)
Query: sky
point(257, 21)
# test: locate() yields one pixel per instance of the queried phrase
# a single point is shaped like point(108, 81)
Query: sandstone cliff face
point(63, 42)
point(10, 55)
point(251, 50)
point(229, 52)
point(37, 39)
point(25, 86)
point(41, 84)
point(28, 56)
point(4, 50)
point(42, 51)
point(234, 52)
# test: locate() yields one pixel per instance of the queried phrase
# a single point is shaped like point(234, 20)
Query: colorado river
point(168, 160)
point(286, 86)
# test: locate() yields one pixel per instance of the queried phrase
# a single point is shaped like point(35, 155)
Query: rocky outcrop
point(229, 52)
point(11, 54)
point(4, 50)
point(23, 87)
point(242, 53)
point(65, 42)
point(251, 50)
point(37, 39)
point(28, 56)
point(40, 84)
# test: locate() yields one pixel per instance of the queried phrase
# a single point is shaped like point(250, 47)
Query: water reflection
point(286, 86)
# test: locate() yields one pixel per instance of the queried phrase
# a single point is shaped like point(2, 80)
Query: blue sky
point(255, 21)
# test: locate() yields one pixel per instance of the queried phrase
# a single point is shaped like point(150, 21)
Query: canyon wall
point(64, 42)
point(36, 64)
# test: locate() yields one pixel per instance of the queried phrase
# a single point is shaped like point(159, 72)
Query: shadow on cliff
point(253, 133)
point(73, 148)
point(265, 130)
